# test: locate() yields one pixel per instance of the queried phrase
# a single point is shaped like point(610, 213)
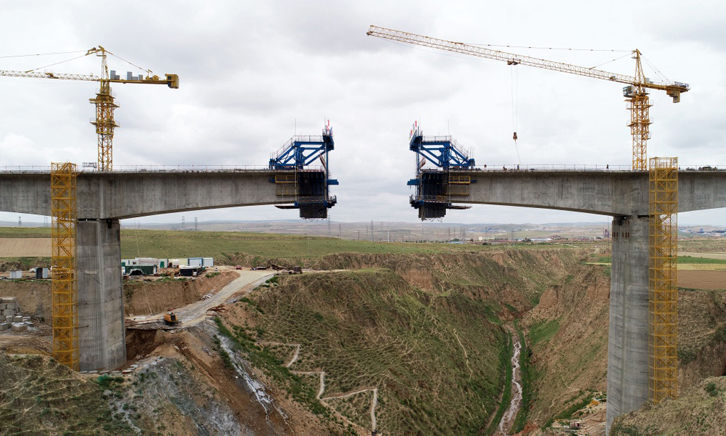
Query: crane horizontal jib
point(49, 75)
point(172, 80)
point(516, 59)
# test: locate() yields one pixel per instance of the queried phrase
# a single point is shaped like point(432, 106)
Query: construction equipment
point(635, 92)
point(171, 319)
point(435, 187)
point(310, 188)
point(104, 101)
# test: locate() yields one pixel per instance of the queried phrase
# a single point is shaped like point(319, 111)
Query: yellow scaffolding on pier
point(663, 279)
point(64, 288)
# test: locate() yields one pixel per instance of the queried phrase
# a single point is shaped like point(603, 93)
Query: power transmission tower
point(182, 222)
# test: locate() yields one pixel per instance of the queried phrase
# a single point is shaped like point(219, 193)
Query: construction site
point(274, 334)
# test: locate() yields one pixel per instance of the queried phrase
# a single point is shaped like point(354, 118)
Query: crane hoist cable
point(515, 79)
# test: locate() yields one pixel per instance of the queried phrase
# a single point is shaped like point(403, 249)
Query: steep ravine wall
point(425, 330)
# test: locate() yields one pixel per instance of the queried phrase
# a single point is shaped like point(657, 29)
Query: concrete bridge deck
point(122, 195)
point(603, 192)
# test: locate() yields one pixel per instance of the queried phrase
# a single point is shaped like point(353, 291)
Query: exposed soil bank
point(145, 298)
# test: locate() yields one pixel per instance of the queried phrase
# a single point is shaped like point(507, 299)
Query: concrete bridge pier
point(628, 335)
point(102, 336)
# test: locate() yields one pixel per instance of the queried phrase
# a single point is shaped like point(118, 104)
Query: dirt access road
point(195, 313)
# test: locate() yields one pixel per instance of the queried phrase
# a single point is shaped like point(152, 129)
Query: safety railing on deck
point(159, 169)
point(40, 169)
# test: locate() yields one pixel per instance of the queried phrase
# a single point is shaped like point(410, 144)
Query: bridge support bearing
point(102, 336)
point(628, 336)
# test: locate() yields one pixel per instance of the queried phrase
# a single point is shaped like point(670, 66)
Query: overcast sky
point(252, 74)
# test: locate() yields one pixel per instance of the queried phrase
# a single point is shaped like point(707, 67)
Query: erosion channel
point(505, 425)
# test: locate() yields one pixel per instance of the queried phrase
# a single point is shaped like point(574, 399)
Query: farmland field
point(702, 279)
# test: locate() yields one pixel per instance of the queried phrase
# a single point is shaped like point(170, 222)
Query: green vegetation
point(686, 356)
point(25, 232)
point(107, 382)
point(711, 389)
point(543, 331)
point(699, 260)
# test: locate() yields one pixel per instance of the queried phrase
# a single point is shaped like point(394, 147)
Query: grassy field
point(691, 259)
point(543, 331)
point(221, 244)
point(25, 232)
point(170, 244)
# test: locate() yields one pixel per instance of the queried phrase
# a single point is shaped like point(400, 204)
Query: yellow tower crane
point(63, 200)
point(104, 101)
point(636, 91)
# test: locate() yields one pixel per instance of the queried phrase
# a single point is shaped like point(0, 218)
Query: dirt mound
point(34, 296)
point(143, 297)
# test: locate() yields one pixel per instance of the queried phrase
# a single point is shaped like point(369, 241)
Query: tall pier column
point(102, 336)
point(628, 336)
